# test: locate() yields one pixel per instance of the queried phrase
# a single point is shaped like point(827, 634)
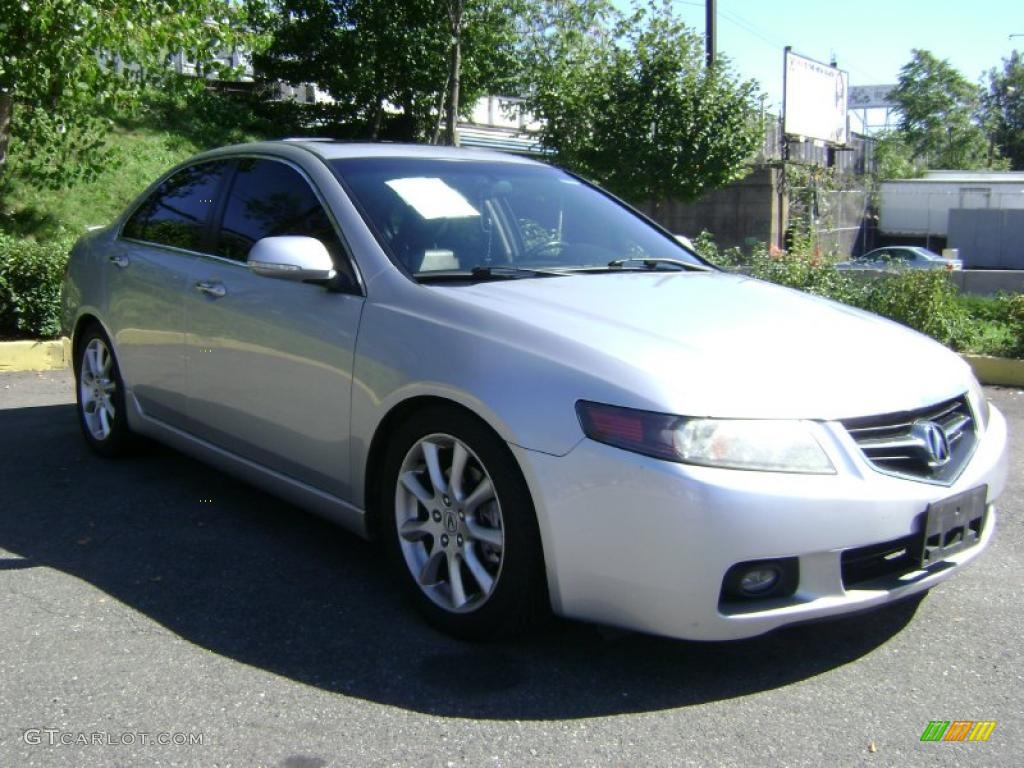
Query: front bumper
point(645, 544)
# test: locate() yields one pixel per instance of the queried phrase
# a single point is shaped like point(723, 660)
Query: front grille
point(901, 443)
point(890, 558)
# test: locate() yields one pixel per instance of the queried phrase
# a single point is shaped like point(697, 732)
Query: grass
point(163, 132)
point(138, 156)
point(994, 325)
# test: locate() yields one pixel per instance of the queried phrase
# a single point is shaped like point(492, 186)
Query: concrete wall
point(990, 239)
point(985, 282)
point(746, 212)
point(843, 227)
point(741, 213)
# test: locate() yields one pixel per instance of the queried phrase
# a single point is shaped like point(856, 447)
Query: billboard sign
point(814, 101)
point(871, 97)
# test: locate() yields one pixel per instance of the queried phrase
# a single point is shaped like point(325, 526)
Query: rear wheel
point(100, 390)
point(460, 526)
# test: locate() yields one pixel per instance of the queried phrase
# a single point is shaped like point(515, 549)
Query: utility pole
point(711, 31)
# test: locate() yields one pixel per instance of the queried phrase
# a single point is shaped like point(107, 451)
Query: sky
point(871, 39)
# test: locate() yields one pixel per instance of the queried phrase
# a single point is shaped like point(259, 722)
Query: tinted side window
point(267, 199)
point(177, 212)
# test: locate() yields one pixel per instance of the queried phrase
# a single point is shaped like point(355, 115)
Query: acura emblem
point(933, 440)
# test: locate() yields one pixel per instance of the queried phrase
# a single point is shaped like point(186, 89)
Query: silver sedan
point(901, 257)
point(532, 396)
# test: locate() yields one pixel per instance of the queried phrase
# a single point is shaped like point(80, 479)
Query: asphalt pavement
point(156, 613)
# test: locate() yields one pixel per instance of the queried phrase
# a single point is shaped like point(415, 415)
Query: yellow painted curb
point(35, 355)
point(1002, 371)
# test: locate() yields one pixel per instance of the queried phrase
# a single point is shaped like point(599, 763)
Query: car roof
point(331, 149)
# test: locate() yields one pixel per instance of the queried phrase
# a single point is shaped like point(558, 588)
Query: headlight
point(767, 445)
point(979, 403)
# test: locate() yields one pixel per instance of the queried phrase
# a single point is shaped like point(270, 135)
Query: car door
point(918, 260)
point(269, 360)
point(148, 265)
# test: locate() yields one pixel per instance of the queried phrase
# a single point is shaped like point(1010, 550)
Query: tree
point(398, 69)
point(940, 109)
point(894, 157)
point(630, 103)
point(1005, 109)
point(61, 59)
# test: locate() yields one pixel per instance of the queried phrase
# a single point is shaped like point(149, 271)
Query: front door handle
point(120, 260)
point(216, 290)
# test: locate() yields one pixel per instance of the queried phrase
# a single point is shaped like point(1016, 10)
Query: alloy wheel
point(97, 389)
point(449, 523)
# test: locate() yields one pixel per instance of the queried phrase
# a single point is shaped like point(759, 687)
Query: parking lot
point(154, 612)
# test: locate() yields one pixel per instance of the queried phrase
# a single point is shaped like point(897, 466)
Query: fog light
point(758, 580)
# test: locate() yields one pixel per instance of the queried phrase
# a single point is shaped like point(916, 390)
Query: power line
point(752, 29)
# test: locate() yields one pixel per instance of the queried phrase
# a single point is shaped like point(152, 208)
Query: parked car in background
point(901, 257)
point(531, 395)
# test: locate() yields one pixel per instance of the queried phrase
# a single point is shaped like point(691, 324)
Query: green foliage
point(803, 267)
point(205, 119)
point(940, 109)
point(30, 282)
point(996, 324)
point(925, 300)
point(727, 258)
point(1004, 103)
point(368, 54)
point(894, 158)
point(163, 128)
point(61, 59)
point(629, 102)
point(58, 151)
point(809, 202)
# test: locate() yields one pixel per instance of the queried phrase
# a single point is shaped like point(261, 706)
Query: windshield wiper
point(496, 272)
point(503, 270)
point(652, 263)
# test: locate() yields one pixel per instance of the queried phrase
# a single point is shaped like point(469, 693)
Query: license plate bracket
point(953, 524)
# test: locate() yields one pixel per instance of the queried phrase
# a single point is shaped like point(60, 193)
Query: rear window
point(178, 212)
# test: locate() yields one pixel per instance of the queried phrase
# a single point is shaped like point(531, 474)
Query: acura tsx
point(534, 397)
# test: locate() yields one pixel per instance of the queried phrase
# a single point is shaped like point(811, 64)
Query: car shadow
point(253, 579)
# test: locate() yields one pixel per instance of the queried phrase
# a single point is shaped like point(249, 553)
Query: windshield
point(455, 216)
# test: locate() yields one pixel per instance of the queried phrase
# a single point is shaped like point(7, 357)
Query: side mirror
point(291, 257)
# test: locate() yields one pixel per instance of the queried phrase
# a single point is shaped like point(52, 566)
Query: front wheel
point(100, 390)
point(460, 526)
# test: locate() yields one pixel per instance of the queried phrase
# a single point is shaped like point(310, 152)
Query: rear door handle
point(216, 290)
point(120, 260)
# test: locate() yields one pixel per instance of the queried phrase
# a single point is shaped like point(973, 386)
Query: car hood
point(713, 344)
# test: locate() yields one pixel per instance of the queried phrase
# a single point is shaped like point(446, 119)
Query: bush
point(804, 268)
point(996, 324)
point(30, 280)
point(729, 258)
point(926, 301)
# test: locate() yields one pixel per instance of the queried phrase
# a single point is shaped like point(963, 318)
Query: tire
point(100, 395)
point(460, 528)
